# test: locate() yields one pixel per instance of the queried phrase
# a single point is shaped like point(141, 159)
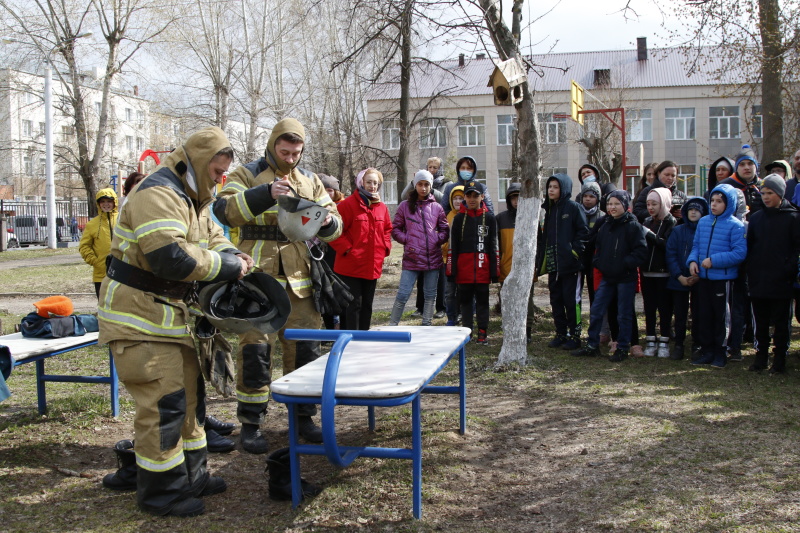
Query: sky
point(587, 25)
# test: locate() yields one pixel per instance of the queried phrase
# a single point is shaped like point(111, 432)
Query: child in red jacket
point(473, 260)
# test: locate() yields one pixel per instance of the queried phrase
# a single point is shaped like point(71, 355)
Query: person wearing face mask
point(365, 242)
point(466, 170)
point(666, 176)
point(96, 240)
point(249, 201)
point(588, 173)
point(164, 241)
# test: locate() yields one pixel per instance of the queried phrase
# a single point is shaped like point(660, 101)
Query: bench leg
point(112, 374)
point(41, 395)
point(371, 417)
point(416, 460)
point(462, 390)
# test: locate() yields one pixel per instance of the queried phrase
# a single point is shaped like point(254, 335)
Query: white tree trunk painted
point(517, 285)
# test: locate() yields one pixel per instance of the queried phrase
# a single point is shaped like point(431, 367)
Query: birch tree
point(517, 285)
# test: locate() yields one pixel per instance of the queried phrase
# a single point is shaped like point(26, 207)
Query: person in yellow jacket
point(164, 242)
point(249, 201)
point(96, 241)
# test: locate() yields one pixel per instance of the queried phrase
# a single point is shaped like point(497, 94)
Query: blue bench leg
point(462, 390)
point(371, 417)
point(41, 395)
point(112, 373)
point(416, 461)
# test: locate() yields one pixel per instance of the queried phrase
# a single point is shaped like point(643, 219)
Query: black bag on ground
point(331, 294)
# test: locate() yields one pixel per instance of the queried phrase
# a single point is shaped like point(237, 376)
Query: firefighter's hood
point(287, 125)
point(190, 163)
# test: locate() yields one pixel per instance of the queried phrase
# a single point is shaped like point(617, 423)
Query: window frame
point(687, 123)
point(390, 131)
point(641, 124)
point(716, 122)
point(551, 127)
point(471, 128)
point(508, 129)
point(438, 127)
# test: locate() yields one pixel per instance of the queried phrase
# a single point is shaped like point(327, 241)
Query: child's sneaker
point(636, 351)
point(482, 337)
point(651, 348)
point(573, 343)
point(557, 341)
point(735, 355)
point(451, 323)
point(619, 355)
point(586, 351)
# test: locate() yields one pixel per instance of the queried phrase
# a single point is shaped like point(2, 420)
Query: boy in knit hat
point(745, 178)
point(620, 250)
point(773, 247)
point(589, 199)
point(718, 249)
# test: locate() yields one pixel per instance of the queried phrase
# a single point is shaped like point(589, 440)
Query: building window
point(42, 167)
point(176, 130)
point(552, 171)
point(432, 134)
point(639, 125)
point(128, 114)
point(98, 108)
point(723, 122)
point(757, 122)
point(140, 119)
point(552, 129)
point(506, 126)
point(27, 164)
point(139, 144)
point(27, 128)
point(66, 133)
point(129, 143)
point(390, 132)
point(688, 180)
point(503, 181)
point(680, 123)
point(471, 131)
point(41, 128)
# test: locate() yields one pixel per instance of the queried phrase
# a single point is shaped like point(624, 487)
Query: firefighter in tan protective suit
point(163, 242)
point(249, 201)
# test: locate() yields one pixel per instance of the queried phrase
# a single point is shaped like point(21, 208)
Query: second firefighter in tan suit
point(249, 201)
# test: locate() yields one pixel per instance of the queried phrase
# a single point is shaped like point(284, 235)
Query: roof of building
point(665, 67)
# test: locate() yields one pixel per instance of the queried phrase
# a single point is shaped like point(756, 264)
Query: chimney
point(135, 90)
point(480, 56)
point(641, 48)
point(460, 60)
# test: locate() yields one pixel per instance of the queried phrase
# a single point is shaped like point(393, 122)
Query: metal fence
point(29, 219)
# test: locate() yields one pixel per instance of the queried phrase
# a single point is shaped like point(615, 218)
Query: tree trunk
point(405, 98)
point(517, 285)
point(771, 80)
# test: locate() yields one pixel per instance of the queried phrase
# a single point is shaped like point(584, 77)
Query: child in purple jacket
point(421, 227)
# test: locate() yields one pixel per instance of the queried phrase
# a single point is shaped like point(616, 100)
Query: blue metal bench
point(383, 367)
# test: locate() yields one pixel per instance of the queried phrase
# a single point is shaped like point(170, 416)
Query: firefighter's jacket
point(246, 199)
point(96, 239)
point(165, 228)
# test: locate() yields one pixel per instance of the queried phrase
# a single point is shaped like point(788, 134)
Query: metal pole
point(48, 155)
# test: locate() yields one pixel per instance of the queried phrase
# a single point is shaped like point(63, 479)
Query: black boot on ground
point(252, 440)
point(125, 476)
point(280, 478)
point(217, 443)
point(308, 430)
point(222, 428)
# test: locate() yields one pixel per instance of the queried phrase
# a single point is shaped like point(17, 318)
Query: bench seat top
point(26, 347)
point(380, 369)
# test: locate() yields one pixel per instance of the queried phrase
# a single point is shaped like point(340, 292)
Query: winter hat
point(746, 154)
point(775, 183)
point(370, 170)
point(664, 197)
point(591, 187)
point(621, 195)
point(329, 182)
point(780, 163)
point(696, 202)
point(54, 306)
point(422, 175)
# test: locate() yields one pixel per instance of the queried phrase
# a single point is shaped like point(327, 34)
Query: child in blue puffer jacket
point(719, 248)
point(682, 284)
